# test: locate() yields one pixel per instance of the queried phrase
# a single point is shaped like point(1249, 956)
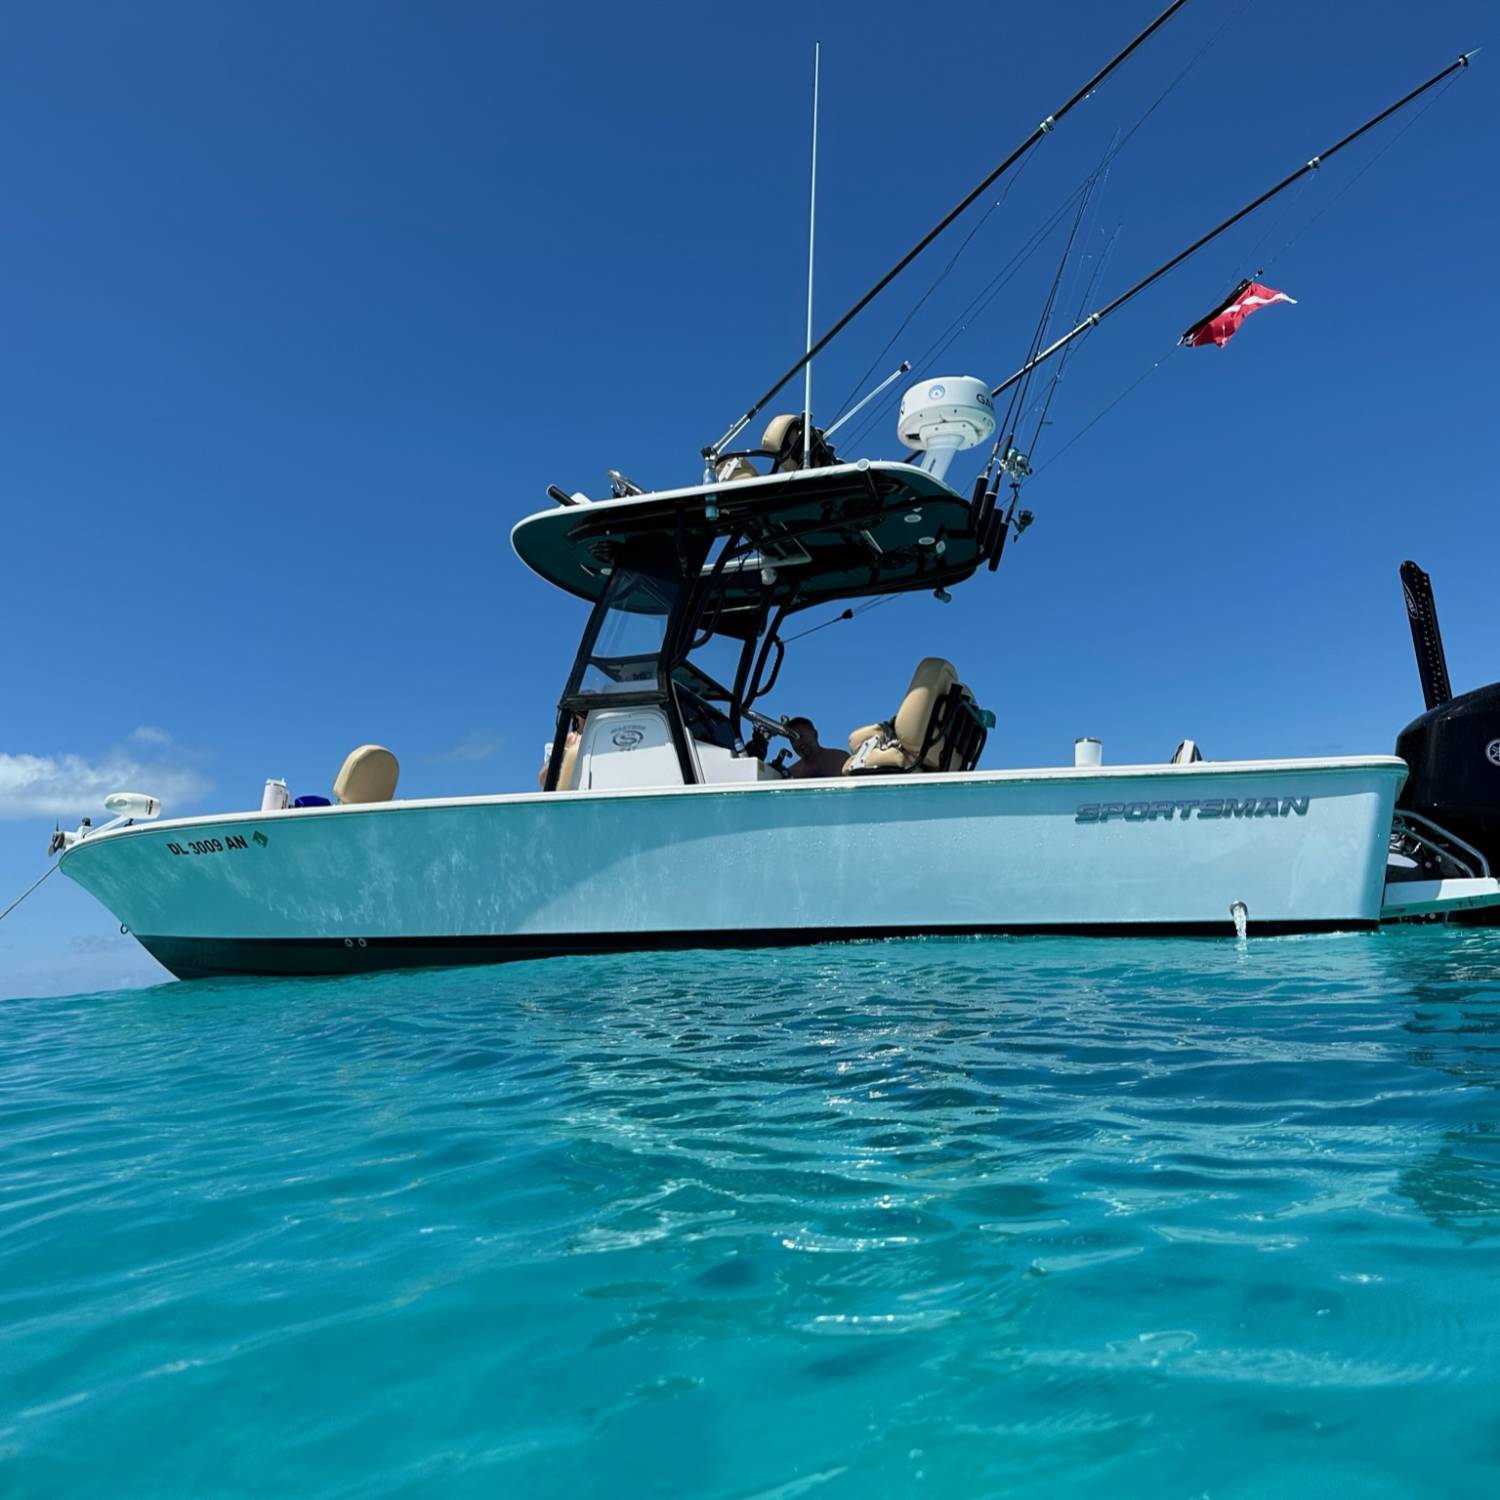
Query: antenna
point(812, 224)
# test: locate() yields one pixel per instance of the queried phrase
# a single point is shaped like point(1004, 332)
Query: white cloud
point(150, 734)
point(475, 746)
point(69, 786)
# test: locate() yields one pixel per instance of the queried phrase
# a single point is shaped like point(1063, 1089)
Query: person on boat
point(813, 759)
point(570, 747)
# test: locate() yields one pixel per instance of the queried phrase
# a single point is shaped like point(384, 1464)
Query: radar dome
point(944, 416)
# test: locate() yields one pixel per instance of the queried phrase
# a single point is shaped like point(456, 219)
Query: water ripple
point(961, 1216)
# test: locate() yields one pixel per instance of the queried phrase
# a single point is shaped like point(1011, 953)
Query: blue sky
point(305, 305)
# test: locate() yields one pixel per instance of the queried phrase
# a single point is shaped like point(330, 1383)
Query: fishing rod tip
point(1464, 59)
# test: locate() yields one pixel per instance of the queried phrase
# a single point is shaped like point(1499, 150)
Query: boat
point(665, 817)
point(667, 821)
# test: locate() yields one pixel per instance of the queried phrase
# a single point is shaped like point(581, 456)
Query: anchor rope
point(29, 889)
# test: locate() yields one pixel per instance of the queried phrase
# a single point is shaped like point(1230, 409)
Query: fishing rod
point(1095, 318)
point(991, 525)
point(712, 452)
point(1006, 433)
point(1072, 349)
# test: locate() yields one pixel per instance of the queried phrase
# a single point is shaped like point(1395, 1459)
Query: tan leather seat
point(897, 745)
point(782, 441)
point(367, 775)
point(735, 469)
point(776, 438)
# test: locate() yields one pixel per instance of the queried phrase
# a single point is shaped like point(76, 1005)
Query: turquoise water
point(943, 1218)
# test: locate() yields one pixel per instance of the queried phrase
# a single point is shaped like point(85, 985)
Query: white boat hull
point(1301, 844)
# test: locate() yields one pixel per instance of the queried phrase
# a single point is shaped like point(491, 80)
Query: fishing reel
point(1016, 467)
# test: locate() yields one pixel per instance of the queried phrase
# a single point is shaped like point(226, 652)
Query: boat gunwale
point(836, 785)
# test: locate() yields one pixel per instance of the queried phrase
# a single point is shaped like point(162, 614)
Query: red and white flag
point(1223, 322)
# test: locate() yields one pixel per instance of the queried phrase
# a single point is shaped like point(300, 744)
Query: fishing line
point(1140, 379)
point(985, 297)
point(1042, 129)
point(978, 305)
point(1016, 410)
point(1293, 203)
point(997, 283)
point(1088, 426)
point(1091, 224)
point(1254, 258)
point(1151, 278)
point(980, 301)
point(938, 280)
point(1062, 364)
point(1045, 321)
point(1087, 185)
point(1372, 161)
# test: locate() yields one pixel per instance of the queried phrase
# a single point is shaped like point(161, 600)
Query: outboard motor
point(1452, 751)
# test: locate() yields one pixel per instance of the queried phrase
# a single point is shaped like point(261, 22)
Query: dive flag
point(1223, 322)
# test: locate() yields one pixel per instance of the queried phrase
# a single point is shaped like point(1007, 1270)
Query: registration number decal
point(230, 841)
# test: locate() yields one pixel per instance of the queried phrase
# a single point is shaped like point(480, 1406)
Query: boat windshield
point(628, 645)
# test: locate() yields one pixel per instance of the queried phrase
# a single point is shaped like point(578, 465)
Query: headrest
point(367, 775)
point(932, 670)
point(929, 682)
point(777, 429)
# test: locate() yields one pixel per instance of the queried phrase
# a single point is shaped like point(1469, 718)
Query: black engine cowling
point(1453, 752)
